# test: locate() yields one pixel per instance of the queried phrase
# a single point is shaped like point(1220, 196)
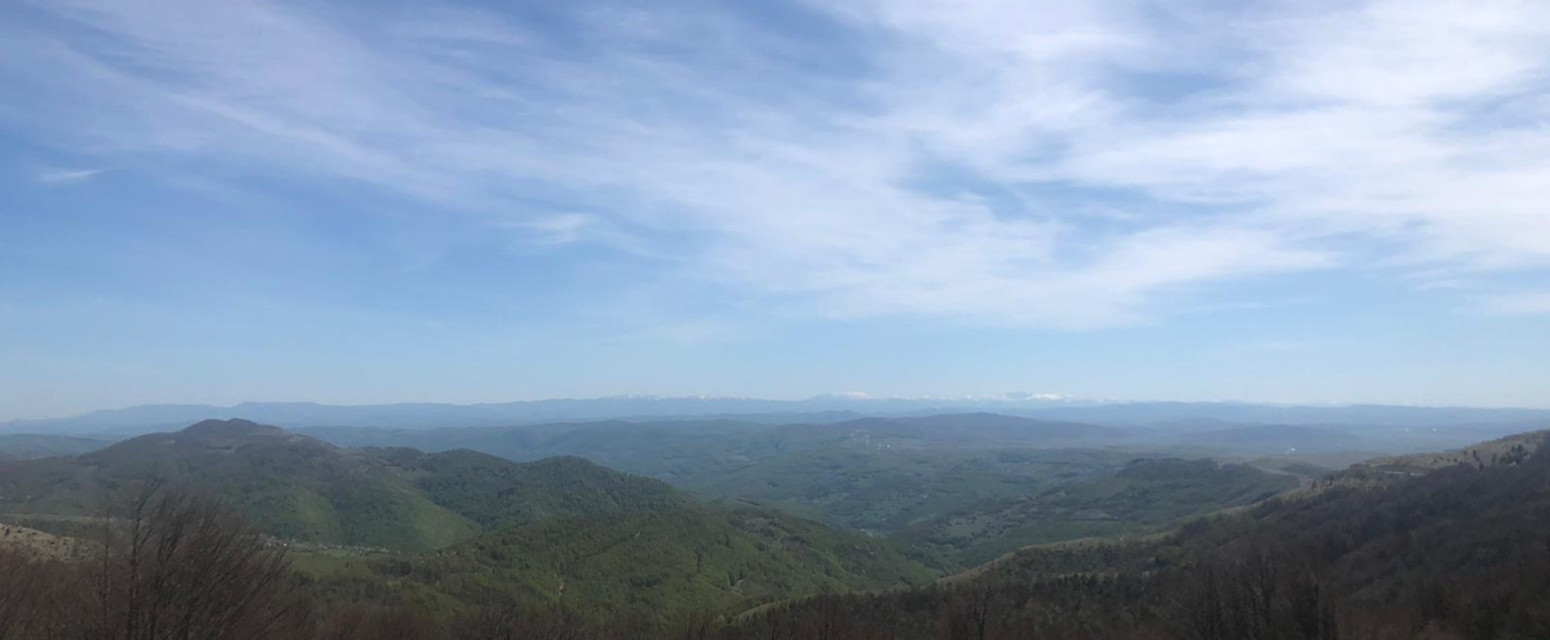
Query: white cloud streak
point(1110, 156)
point(60, 177)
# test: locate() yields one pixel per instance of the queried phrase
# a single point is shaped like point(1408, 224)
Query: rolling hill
point(1145, 493)
point(684, 449)
point(1508, 450)
point(871, 474)
point(1442, 523)
point(446, 531)
point(299, 488)
point(1452, 552)
point(953, 430)
point(652, 565)
point(497, 493)
point(28, 446)
point(883, 490)
point(1277, 439)
point(1446, 545)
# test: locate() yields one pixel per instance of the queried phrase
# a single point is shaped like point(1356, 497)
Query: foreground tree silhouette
point(38, 598)
point(173, 566)
point(177, 567)
point(165, 566)
point(1265, 595)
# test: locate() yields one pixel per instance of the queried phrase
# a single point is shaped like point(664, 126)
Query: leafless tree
point(173, 566)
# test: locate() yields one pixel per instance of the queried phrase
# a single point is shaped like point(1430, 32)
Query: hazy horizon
point(857, 402)
point(1009, 397)
point(352, 203)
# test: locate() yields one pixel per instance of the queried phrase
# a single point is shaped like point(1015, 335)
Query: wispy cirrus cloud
point(59, 177)
point(1067, 165)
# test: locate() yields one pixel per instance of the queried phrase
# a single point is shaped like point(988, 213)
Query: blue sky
point(361, 202)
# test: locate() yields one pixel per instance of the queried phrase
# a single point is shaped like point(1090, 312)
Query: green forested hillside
point(298, 488)
point(1365, 516)
point(668, 450)
point(936, 478)
point(1508, 450)
point(1442, 551)
point(450, 530)
point(28, 446)
point(1145, 493)
point(655, 565)
point(885, 490)
point(497, 493)
point(1455, 553)
point(688, 452)
point(877, 475)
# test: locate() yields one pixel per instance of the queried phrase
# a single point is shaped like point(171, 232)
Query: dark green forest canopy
point(298, 488)
point(615, 541)
point(1144, 494)
point(28, 446)
point(645, 565)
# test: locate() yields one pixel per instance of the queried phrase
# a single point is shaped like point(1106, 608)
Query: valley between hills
point(650, 528)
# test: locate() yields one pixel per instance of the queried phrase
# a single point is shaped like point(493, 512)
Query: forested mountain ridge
point(28, 446)
point(1457, 553)
point(497, 493)
point(653, 566)
point(298, 488)
point(889, 475)
point(1381, 481)
point(445, 531)
point(877, 475)
point(1145, 494)
point(684, 450)
point(881, 476)
point(885, 491)
point(956, 430)
point(1509, 450)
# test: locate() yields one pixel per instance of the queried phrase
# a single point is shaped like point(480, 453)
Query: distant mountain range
point(27, 446)
point(820, 409)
